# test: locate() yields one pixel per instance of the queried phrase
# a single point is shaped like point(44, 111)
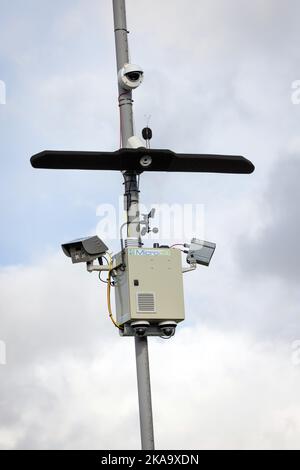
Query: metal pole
point(126, 116)
point(132, 209)
point(145, 404)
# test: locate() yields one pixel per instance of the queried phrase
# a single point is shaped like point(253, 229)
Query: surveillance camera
point(130, 76)
point(168, 328)
point(140, 327)
point(85, 250)
point(200, 252)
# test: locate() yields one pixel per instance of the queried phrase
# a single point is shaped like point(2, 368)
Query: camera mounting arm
point(192, 267)
point(198, 252)
point(91, 267)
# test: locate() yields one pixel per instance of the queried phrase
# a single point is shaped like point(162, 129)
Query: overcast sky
point(219, 78)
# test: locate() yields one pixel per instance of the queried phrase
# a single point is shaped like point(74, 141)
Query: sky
point(220, 77)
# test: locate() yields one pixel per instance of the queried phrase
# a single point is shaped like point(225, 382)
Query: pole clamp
point(122, 29)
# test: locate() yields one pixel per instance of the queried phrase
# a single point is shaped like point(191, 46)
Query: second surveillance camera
point(168, 328)
point(85, 250)
point(200, 252)
point(131, 76)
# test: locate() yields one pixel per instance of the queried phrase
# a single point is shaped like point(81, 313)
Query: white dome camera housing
point(131, 76)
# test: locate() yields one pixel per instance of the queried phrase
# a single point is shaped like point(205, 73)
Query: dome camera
point(168, 328)
point(140, 327)
point(131, 76)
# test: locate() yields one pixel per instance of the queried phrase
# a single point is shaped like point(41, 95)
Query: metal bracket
point(96, 267)
point(192, 267)
point(90, 266)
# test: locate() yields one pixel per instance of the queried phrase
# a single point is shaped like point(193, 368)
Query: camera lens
point(133, 76)
point(140, 332)
point(140, 328)
point(168, 328)
point(168, 331)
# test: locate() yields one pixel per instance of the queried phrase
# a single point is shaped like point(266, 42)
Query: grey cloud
point(275, 250)
point(27, 326)
point(241, 394)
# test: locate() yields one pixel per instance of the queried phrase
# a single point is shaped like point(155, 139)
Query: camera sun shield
point(85, 250)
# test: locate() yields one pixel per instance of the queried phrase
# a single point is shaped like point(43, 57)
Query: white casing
point(124, 80)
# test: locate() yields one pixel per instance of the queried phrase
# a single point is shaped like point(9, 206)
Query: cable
point(99, 275)
point(105, 282)
point(179, 249)
point(108, 296)
point(100, 272)
point(121, 124)
point(120, 143)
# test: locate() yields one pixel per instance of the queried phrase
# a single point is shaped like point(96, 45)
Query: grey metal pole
point(145, 403)
point(122, 52)
point(132, 209)
point(126, 116)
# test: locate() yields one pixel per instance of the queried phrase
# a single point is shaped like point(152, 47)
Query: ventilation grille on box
point(145, 302)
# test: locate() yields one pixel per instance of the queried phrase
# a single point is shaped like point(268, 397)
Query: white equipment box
point(150, 287)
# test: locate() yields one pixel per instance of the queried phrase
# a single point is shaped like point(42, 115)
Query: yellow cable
point(108, 295)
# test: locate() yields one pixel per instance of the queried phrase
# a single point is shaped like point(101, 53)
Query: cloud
point(70, 382)
point(29, 294)
point(274, 250)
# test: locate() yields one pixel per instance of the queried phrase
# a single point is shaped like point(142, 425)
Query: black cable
point(99, 275)
point(121, 124)
point(100, 272)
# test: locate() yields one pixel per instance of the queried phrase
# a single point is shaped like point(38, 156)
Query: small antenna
point(147, 136)
point(147, 132)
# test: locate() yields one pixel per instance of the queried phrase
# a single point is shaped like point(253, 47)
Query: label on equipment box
point(148, 252)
